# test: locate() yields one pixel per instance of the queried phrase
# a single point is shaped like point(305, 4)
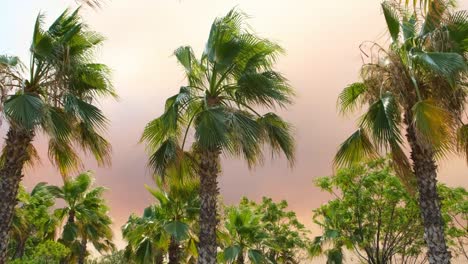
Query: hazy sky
point(321, 39)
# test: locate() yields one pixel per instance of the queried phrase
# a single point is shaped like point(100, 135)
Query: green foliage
point(262, 233)
point(116, 257)
point(32, 222)
point(58, 94)
point(47, 252)
point(371, 214)
point(418, 82)
point(172, 218)
point(455, 213)
point(86, 215)
point(233, 75)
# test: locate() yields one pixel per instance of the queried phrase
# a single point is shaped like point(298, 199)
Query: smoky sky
point(321, 40)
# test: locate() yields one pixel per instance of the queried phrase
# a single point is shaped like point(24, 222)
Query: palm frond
point(446, 64)
point(245, 136)
point(351, 97)
point(382, 120)
point(168, 154)
point(86, 112)
point(24, 110)
point(211, 131)
point(355, 149)
point(278, 135)
point(267, 89)
point(193, 68)
point(92, 141)
point(62, 155)
point(392, 19)
point(434, 125)
point(462, 140)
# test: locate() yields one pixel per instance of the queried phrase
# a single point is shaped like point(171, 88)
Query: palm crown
point(169, 222)
point(233, 75)
point(420, 81)
point(86, 213)
point(58, 94)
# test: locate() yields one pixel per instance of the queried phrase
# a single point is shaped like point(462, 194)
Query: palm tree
point(246, 235)
point(180, 204)
point(56, 97)
point(86, 213)
point(418, 85)
point(146, 237)
point(167, 226)
point(233, 76)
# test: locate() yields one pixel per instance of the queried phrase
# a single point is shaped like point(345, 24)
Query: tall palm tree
point(56, 97)
point(86, 215)
point(417, 85)
point(233, 76)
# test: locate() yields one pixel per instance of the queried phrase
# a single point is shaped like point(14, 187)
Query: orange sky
point(321, 39)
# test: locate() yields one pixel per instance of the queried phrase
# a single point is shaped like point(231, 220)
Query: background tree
point(262, 233)
point(245, 236)
point(46, 252)
point(417, 85)
point(116, 257)
point(32, 223)
point(233, 76)
point(287, 237)
point(147, 241)
point(371, 214)
point(454, 202)
point(86, 217)
point(169, 226)
point(56, 97)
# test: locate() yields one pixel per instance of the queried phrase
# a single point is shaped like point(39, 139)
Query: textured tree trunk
point(425, 170)
point(174, 251)
point(82, 256)
point(20, 248)
point(16, 154)
point(207, 247)
point(159, 259)
point(240, 258)
point(71, 217)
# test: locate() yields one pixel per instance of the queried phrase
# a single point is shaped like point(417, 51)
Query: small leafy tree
point(454, 202)
point(32, 223)
point(374, 216)
point(371, 214)
point(47, 252)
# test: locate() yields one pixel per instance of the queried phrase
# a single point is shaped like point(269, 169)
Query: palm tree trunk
point(240, 258)
point(159, 259)
point(81, 257)
point(425, 170)
point(207, 247)
point(71, 217)
point(15, 155)
point(20, 248)
point(174, 251)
